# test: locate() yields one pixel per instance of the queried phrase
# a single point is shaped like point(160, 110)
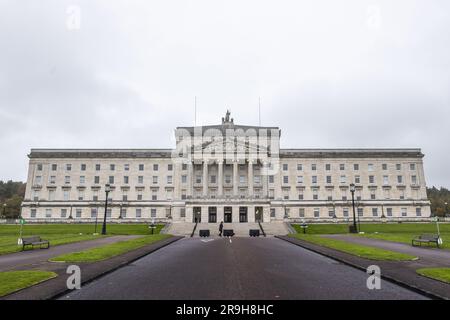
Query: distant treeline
point(12, 193)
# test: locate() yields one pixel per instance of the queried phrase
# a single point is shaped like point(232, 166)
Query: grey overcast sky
point(123, 74)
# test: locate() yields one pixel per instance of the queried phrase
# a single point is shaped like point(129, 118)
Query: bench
point(34, 240)
point(426, 238)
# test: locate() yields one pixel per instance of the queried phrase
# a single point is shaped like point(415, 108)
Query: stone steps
point(240, 229)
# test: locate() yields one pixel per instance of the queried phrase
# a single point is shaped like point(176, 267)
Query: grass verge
point(366, 252)
point(110, 250)
point(441, 274)
point(11, 281)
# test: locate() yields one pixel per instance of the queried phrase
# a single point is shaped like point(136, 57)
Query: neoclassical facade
point(229, 173)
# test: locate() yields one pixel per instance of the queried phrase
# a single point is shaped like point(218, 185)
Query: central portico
point(228, 167)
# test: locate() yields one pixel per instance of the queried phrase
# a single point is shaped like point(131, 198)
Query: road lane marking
point(207, 240)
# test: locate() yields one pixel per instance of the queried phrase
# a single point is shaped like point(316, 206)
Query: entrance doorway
point(242, 214)
point(212, 214)
point(258, 214)
point(197, 216)
point(227, 214)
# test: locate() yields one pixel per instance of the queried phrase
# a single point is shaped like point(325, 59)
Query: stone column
point(265, 179)
point(205, 178)
point(190, 191)
point(220, 179)
point(235, 179)
point(250, 178)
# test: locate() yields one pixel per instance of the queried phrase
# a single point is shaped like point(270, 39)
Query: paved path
point(427, 255)
point(37, 256)
point(246, 268)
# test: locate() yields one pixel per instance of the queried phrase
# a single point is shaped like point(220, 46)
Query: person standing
point(220, 228)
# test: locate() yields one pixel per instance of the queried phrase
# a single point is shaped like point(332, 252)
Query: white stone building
point(229, 173)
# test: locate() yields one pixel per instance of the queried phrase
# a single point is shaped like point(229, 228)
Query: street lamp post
point(4, 211)
point(107, 190)
point(352, 190)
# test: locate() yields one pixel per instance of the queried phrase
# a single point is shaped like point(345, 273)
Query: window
point(299, 179)
point(257, 179)
point(316, 212)
point(384, 166)
point(414, 179)
point(329, 179)
point(78, 213)
point(184, 166)
point(155, 179)
point(33, 213)
point(360, 212)
point(314, 179)
point(331, 213)
point(412, 166)
point(66, 195)
point(370, 167)
point(271, 179)
point(227, 178)
point(299, 167)
point(285, 179)
point(83, 167)
point(389, 212)
point(345, 212)
point(399, 179)
point(356, 166)
point(315, 194)
point(80, 195)
point(54, 167)
point(111, 179)
point(385, 180)
point(313, 167)
point(212, 179)
point(154, 196)
point(155, 167)
point(124, 197)
point(169, 179)
point(82, 179)
point(343, 179)
point(123, 212)
point(272, 212)
point(95, 195)
point(112, 167)
point(371, 179)
point(184, 179)
point(398, 166)
point(375, 212)
point(126, 179)
point(241, 179)
point(96, 179)
point(357, 179)
point(300, 196)
point(285, 167)
point(36, 195)
point(301, 212)
point(141, 167)
point(63, 213)
point(108, 213)
point(97, 167)
point(328, 167)
point(182, 212)
point(38, 180)
point(68, 167)
point(51, 195)
point(126, 167)
point(140, 179)
point(372, 195)
point(153, 212)
point(52, 179)
point(404, 212)
point(67, 179)
point(169, 167)
point(139, 196)
point(48, 213)
point(418, 212)
point(138, 212)
point(342, 166)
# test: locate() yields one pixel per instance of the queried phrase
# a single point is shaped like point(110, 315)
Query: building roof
point(167, 153)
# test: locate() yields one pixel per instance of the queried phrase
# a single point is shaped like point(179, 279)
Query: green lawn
point(442, 274)
point(397, 232)
point(354, 249)
point(110, 250)
point(11, 281)
point(59, 234)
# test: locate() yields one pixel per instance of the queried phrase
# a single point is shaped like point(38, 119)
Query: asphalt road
point(246, 268)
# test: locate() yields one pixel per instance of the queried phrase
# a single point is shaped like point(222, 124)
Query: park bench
point(426, 238)
point(34, 240)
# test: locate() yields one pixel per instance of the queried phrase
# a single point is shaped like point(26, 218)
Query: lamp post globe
point(107, 190)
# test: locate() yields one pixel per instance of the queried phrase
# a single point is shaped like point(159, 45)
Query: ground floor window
point(227, 214)
point(242, 214)
point(212, 214)
point(272, 212)
point(389, 212)
point(418, 212)
point(153, 213)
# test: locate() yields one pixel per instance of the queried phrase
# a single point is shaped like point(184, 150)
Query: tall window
point(141, 167)
point(285, 167)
